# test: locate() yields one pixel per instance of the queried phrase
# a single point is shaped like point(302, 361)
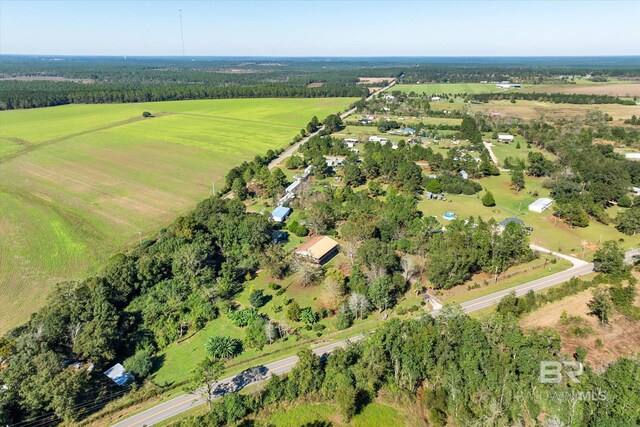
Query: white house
point(435, 98)
point(464, 174)
point(350, 142)
point(375, 138)
point(334, 160)
point(507, 85)
point(280, 214)
point(118, 374)
point(632, 156)
point(505, 137)
point(540, 205)
point(292, 187)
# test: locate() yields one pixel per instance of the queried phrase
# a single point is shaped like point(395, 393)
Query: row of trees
point(558, 98)
point(18, 94)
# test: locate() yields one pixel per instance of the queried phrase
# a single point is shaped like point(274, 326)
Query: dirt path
point(494, 158)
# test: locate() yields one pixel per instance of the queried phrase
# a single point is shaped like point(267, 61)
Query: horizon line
point(635, 55)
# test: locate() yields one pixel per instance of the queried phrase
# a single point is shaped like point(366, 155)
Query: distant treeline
point(558, 98)
point(137, 79)
point(20, 94)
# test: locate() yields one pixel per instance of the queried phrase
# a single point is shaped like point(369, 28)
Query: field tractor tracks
point(31, 147)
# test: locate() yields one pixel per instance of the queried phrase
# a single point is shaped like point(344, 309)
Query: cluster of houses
point(318, 249)
point(367, 120)
point(290, 191)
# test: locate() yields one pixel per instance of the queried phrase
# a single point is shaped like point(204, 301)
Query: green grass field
point(79, 182)
point(372, 415)
point(453, 88)
point(502, 150)
point(548, 232)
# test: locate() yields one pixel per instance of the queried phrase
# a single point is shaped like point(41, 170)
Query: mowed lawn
point(372, 415)
point(548, 231)
point(79, 182)
point(453, 88)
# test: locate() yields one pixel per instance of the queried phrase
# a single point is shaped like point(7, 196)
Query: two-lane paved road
point(185, 402)
point(291, 150)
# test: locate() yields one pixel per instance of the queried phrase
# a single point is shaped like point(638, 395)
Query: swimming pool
point(449, 215)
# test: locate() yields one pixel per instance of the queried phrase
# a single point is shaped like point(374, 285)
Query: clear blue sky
point(321, 28)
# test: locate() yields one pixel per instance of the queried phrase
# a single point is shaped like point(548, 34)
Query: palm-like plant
point(223, 347)
point(308, 316)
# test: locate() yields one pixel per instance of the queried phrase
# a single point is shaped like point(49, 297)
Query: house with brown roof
point(319, 249)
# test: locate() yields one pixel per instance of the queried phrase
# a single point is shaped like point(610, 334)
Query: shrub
point(345, 317)
point(580, 354)
point(488, 200)
point(298, 229)
point(243, 317)
point(274, 286)
point(223, 347)
point(257, 298)
point(140, 364)
point(294, 312)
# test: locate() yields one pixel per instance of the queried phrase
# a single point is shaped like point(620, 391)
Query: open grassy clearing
point(372, 415)
point(548, 231)
point(502, 150)
point(444, 88)
point(551, 111)
point(620, 88)
point(86, 180)
point(523, 273)
point(620, 338)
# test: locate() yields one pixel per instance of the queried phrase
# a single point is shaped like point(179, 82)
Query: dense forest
point(19, 94)
point(30, 82)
